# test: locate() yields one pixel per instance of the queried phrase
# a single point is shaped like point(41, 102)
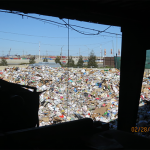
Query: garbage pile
point(143, 116)
point(75, 93)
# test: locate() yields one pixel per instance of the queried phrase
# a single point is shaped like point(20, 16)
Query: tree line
point(91, 62)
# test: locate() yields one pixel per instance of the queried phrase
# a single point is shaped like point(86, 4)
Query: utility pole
point(101, 56)
point(9, 51)
point(104, 58)
point(23, 53)
point(116, 43)
point(113, 48)
point(116, 60)
point(61, 51)
point(110, 62)
point(46, 54)
point(79, 51)
point(39, 50)
point(101, 53)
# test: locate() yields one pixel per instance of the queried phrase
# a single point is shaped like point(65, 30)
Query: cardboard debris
point(57, 119)
point(46, 119)
point(146, 91)
point(101, 110)
point(57, 106)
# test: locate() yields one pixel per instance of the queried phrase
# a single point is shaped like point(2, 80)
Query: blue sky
point(56, 37)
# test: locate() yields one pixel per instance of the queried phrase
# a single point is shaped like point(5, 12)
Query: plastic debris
point(91, 93)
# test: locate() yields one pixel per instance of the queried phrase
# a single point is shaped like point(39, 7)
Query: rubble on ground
point(76, 93)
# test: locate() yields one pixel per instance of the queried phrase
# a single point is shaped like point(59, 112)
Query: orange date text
point(140, 129)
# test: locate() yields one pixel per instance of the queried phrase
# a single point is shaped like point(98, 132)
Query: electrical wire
point(98, 46)
point(53, 37)
point(30, 35)
point(87, 34)
point(58, 24)
point(32, 17)
point(46, 44)
point(96, 30)
point(17, 41)
point(47, 21)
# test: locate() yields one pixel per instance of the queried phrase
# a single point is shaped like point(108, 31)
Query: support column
point(133, 55)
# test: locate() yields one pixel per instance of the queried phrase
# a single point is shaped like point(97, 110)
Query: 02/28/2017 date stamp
point(140, 129)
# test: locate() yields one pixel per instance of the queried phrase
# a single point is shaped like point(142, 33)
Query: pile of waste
point(75, 93)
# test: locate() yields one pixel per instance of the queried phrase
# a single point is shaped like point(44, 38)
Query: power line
point(86, 28)
point(16, 49)
point(31, 35)
point(31, 17)
point(91, 29)
point(46, 44)
point(18, 41)
point(51, 37)
point(58, 24)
